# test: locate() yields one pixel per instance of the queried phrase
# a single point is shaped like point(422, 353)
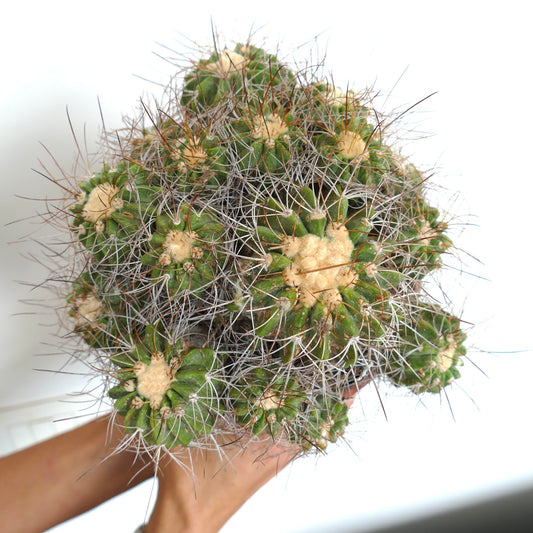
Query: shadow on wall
point(510, 513)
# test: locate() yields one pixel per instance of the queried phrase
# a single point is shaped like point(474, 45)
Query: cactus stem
point(251, 254)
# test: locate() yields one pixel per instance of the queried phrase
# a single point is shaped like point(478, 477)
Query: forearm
point(204, 501)
point(65, 476)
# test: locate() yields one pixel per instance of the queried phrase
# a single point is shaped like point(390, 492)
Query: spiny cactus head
point(184, 250)
point(327, 421)
point(168, 393)
point(110, 207)
point(431, 351)
point(318, 278)
point(187, 158)
point(234, 77)
point(96, 309)
point(266, 400)
point(264, 139)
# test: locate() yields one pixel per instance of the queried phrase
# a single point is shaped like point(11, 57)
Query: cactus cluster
point(255, 249)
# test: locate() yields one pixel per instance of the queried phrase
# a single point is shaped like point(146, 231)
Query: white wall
point(477, 56)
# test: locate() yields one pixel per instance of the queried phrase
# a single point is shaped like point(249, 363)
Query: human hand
point(199, 489)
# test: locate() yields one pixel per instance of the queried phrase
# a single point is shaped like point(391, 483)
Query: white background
point(476, 131)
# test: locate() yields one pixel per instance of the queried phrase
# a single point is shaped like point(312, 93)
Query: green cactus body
point(235, 74)
point(422, 238)
point(322, 281)
point(184, 250)
point(99, 316)
point(193, 163)
point(203, 160)
point(266, 401)
point(265, 139)
point(352, 147)
point(166, 392)
point(431, 351)
point(188, 160)
point(110, 209)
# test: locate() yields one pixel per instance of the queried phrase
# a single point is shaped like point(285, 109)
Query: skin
point(205, 502)
point(66, 476)
point(63, 477)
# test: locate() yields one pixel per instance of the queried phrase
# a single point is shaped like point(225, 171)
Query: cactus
point(165, 390)
point(254, 253)
point(183, 250)
point(431, 349)
point(264, 400)
point(97, 311)
point(321, 275)
point(325, 423)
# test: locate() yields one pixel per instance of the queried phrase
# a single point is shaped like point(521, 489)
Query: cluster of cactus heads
point(256, 249)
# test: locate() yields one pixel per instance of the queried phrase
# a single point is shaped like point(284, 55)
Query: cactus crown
point(254, 253)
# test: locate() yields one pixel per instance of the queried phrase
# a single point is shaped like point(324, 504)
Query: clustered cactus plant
point(255, 249)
